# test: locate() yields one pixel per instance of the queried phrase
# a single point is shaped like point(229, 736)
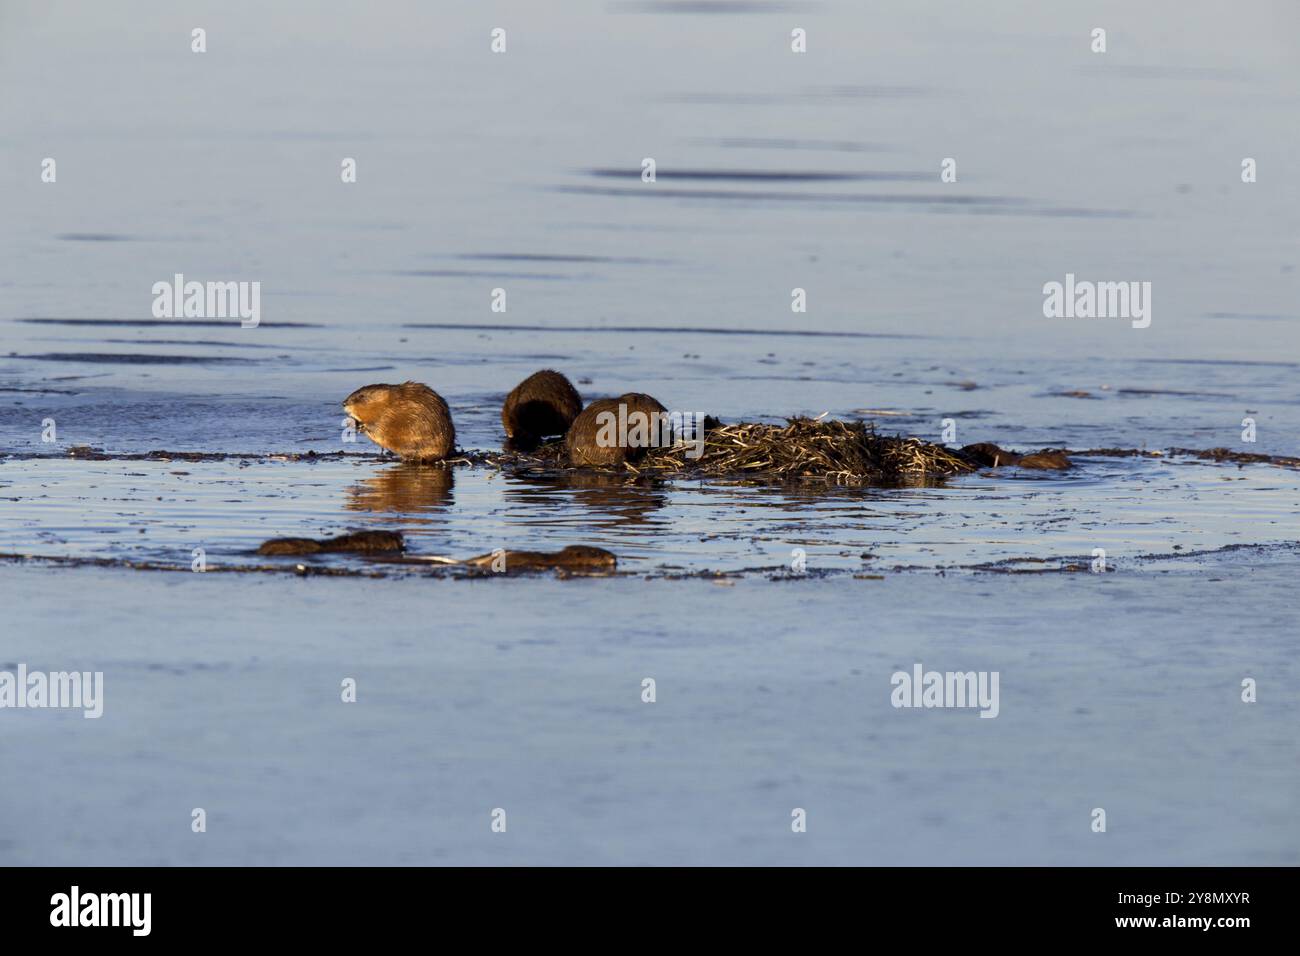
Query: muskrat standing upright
point(543, 404)
point(611, 431)
point(410, 419)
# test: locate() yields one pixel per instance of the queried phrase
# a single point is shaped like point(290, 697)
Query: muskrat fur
point(410, 419)
point(584, 440)
point(545, 403)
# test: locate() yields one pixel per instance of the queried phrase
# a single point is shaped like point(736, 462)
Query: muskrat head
point(365, 404)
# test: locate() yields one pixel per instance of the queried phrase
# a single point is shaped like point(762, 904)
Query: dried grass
point(803, 450)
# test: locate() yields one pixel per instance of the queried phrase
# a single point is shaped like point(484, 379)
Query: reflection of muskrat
point(545, 403)
point(596, 439)
point(410, 419)
point(407, 487)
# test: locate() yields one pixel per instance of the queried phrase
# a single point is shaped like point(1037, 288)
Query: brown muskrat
point(1052, 459)
point(545, 403)
point(611, 431)
point(575, 557)
point(988, 455)
point(410, 419)
point(360, 542)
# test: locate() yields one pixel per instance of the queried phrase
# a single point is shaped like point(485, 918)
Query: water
point(160, 511)
point(774, 171)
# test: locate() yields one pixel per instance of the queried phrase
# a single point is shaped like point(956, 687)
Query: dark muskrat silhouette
point(410, 419)
point(611, 431)
point(543, 404)
point(358, 542)
point(575, 557)
point(988, 455)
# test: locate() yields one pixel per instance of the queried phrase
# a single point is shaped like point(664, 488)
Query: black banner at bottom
point(370, 904)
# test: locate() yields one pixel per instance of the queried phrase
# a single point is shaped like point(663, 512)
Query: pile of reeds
point(807, 449)
point(803, 450)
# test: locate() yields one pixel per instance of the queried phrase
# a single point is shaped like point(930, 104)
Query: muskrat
point(410, 419)
point(359, 542)
point(1052, 459)
point(575, 557)
point(545, 403)
point(986, 455)
point(595, 438)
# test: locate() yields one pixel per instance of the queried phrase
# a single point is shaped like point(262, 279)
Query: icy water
point(522, 171)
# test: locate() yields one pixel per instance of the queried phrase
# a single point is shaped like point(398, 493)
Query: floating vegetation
point(802, 450)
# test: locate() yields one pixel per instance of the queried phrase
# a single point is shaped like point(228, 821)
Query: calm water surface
point(774, 171)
